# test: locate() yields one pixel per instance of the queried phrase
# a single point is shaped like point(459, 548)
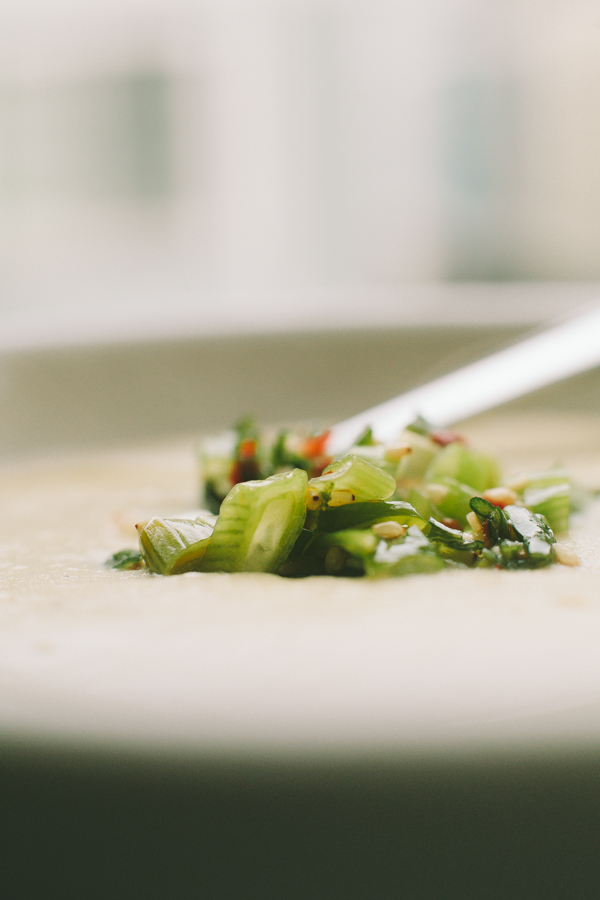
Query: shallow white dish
point(257, 663)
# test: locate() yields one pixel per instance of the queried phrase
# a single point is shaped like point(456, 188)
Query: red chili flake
point(315, 446)
point(247, 448)
point(443, 438)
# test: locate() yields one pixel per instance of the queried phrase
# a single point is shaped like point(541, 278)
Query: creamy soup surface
point(249, 662)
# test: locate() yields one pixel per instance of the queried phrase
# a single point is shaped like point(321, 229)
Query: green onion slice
point(456, 503)
point(357, 542)
point(553, 502)
point(367, 513)
point(360, 478)
point(535, 533)
point(474, 469)
point(258, 524)
point(497, 524)
point(452, 537)
point(408, 556)
point(173, 546)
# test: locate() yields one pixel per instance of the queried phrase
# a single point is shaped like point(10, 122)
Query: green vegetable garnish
point(379, 511)
point(420, 426)
point(367, 513)
point(412, 467)
point(352, 479)
point(423, 505)
point(534, 532)
point(452, 537)
point(553, 502)
point(474, 469)
point(358, 542)
point(282, 457)
point(455, 504)
point(487, 558)
point(497, 525)
point(173, 546)
point(365, 439)
point(513, 554)
point(258, 524)
point(125, 560)
point(409, 556)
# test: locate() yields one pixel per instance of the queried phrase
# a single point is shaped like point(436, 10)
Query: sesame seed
point(565, 556)
point(341, 498)
point(473, 520)
point(312, 498)
point(388, 530)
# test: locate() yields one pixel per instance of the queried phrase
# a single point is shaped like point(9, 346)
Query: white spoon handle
point(552, 355)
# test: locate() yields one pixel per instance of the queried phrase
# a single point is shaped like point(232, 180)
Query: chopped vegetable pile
point(422, 504)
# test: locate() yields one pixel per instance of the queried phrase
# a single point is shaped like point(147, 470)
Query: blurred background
point(180, 168)
point(297, 209)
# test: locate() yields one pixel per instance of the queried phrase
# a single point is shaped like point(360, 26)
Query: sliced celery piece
point(172, 546)
point(462, 559)
point(258, 524)
point(360, 478)
point(412, 467)
point(554, 507)
point(367, 513)
point(553, 502)
point(456, 503)
point(543, 478)
point(374, 454)
point(423, 505)
point(357, 542)
point(410, 555)
point(487, 559)
point(311, 554)
point(513, 554)
point(473, 469)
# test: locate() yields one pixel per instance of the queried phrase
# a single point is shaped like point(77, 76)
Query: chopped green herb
point(352, 479)
point(366, 438)
point(535, 533)
point(498, 527)
point(124, 560)
point(285, 507)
